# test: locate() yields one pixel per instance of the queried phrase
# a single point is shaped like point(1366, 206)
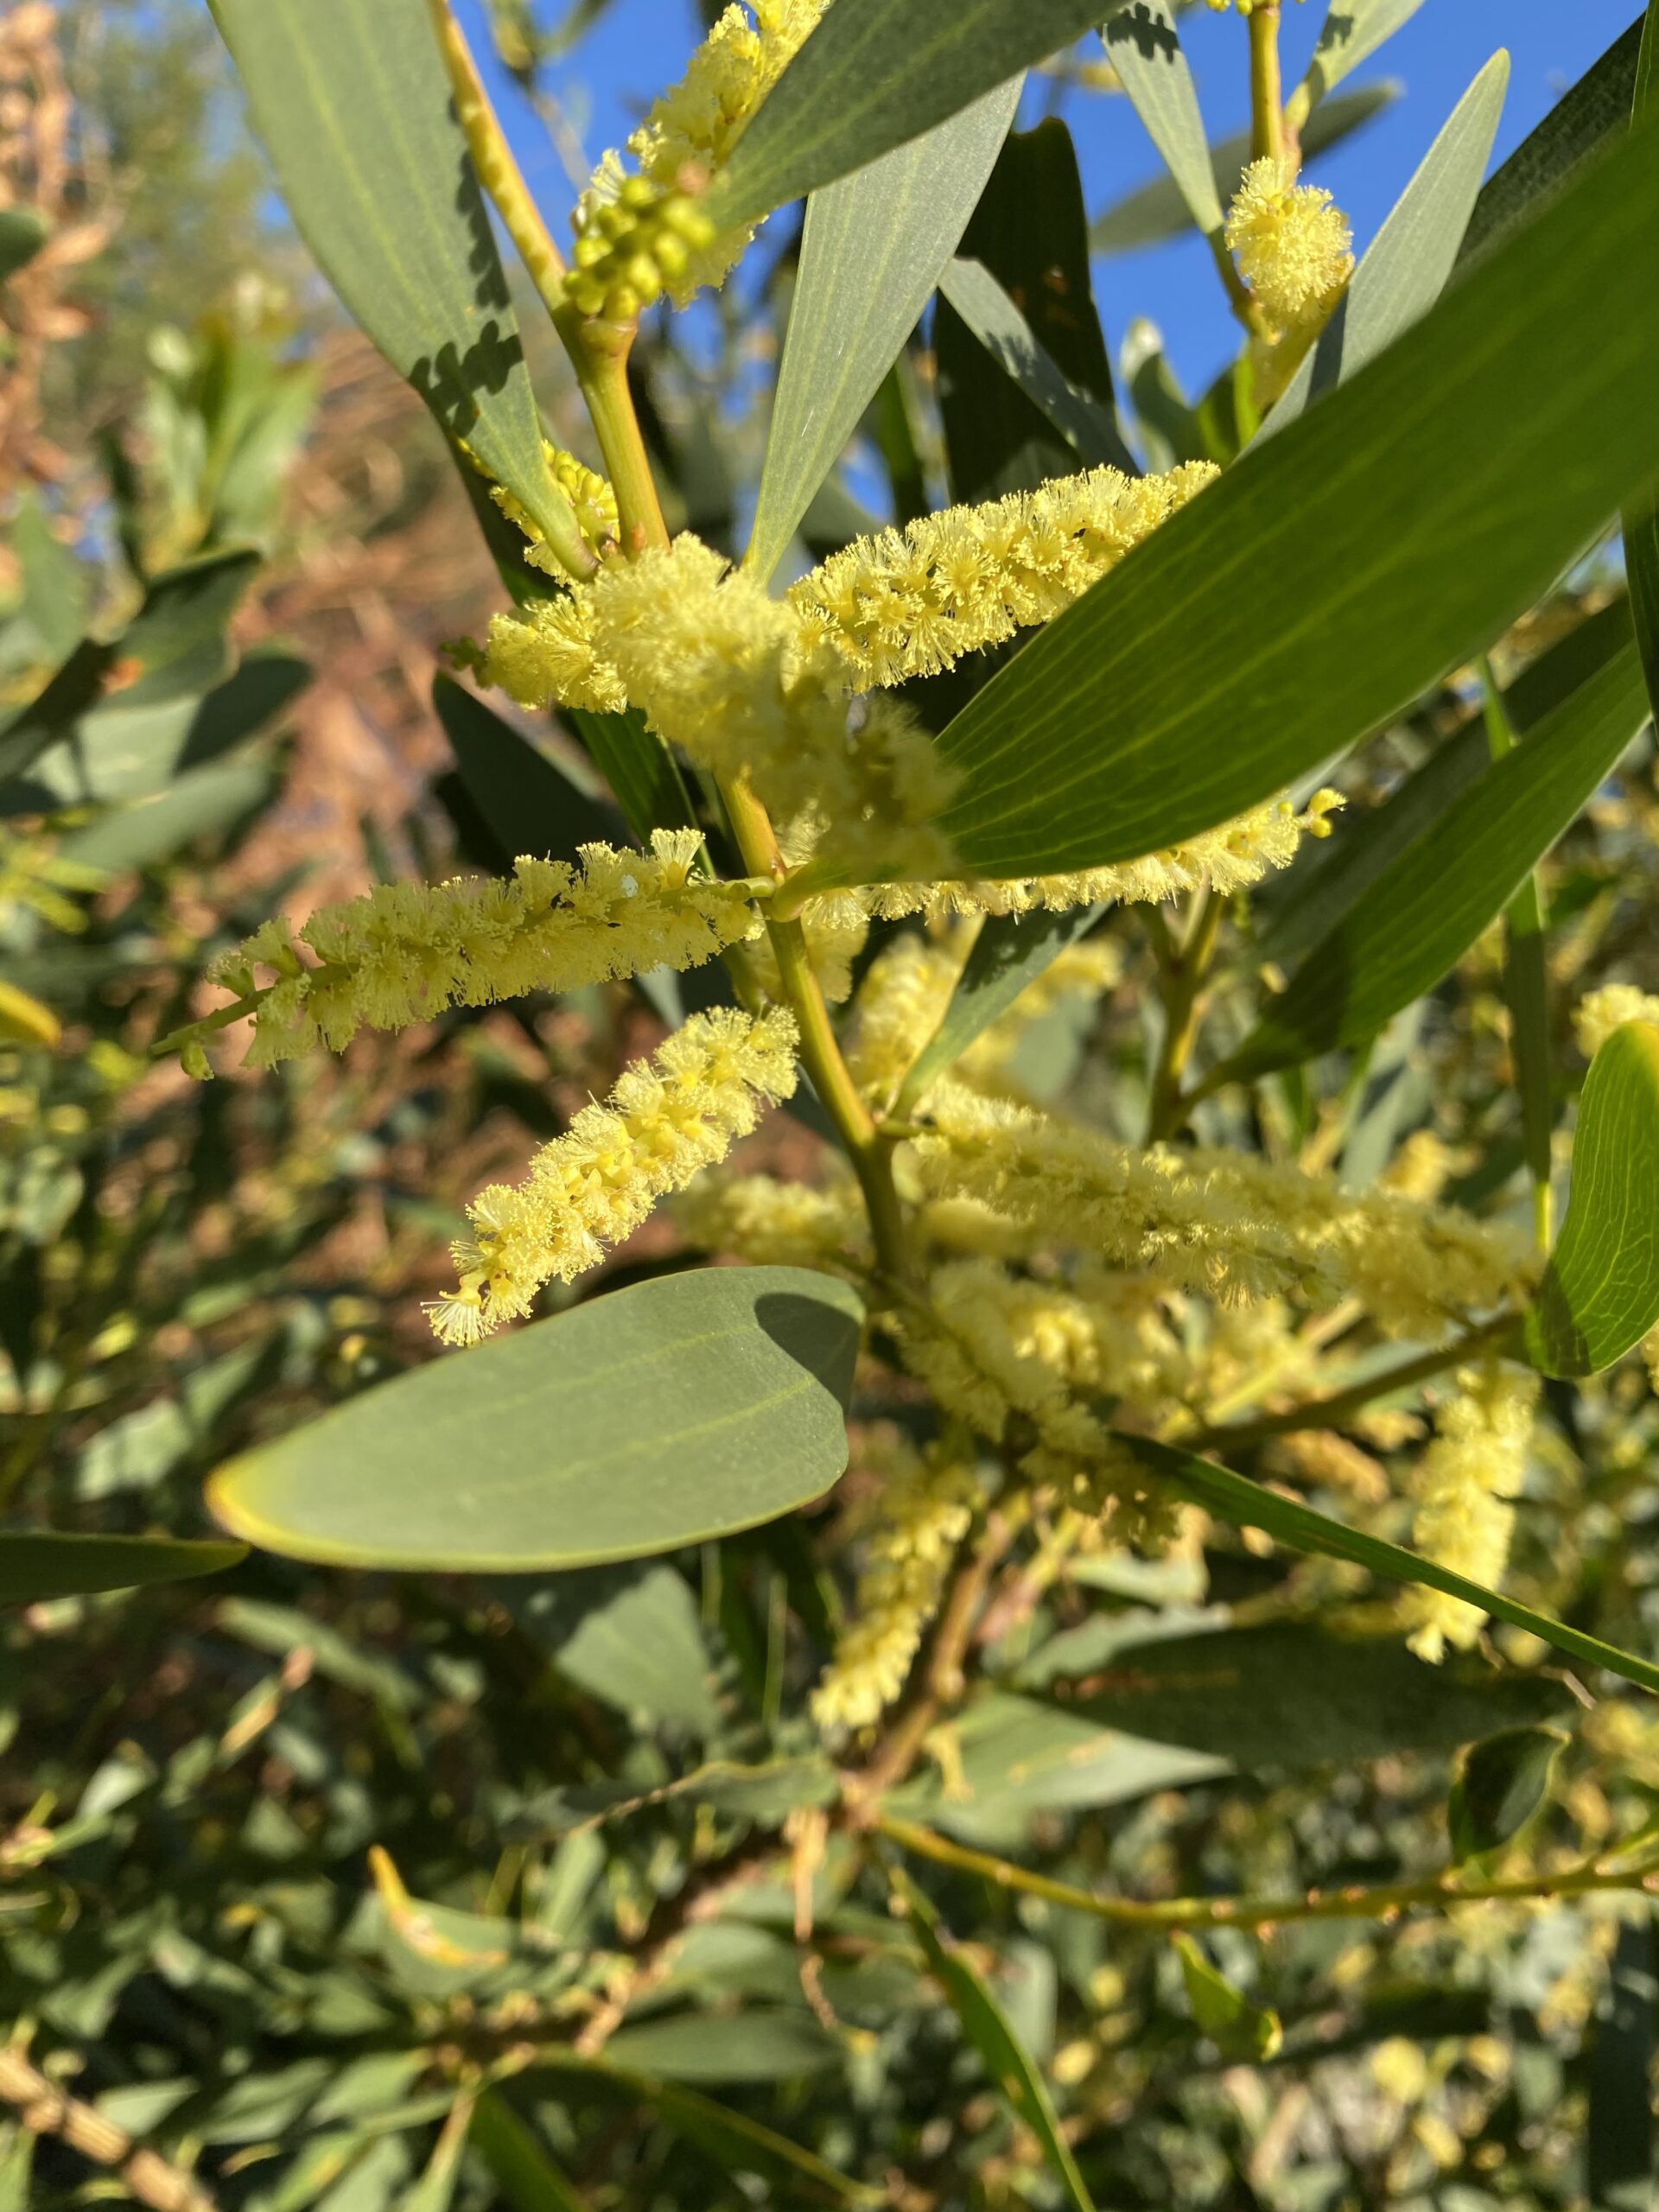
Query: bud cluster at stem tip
point(629, 249)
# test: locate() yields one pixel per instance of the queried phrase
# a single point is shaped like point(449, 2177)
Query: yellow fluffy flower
point(924, 1509)
point(1464, 1485)
point(406, 951)
point(1600, 1012)
point(774, 1224)
point(1226, 1224)
point(903, 996)
point(667, 1118)
point(912, 602)
point(641, 234)
point(720, 669)
point(1292, 245)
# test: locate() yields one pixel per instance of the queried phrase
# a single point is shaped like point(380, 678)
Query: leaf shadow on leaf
point(796, 1325)
point(482, 261)
point(1153, 40)
point(450, 382)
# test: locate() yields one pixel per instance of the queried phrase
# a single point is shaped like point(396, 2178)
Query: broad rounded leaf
point(678, 1410)
point(41, 1565)
point(1600, 1292)
point(1403, 522)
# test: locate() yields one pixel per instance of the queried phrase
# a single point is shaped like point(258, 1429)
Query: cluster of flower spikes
point(404, 951)
point(1464, 1485)
point(912, 601)
point(641, 234)
point(720, 669)
point(1224, 1224)
point(1294, 248)
point(666, 1119)
point(911, 1530)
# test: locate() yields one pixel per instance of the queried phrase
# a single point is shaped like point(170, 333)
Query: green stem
point(1183, 973)
point(1266, 102)
point(1387, 1902)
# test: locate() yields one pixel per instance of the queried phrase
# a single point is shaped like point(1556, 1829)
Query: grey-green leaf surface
point(1145, 48)
point(1221, 2011)
point(1641, 523)
point(35, 1565)
point(763, 2044)
point(1591, 116)
point(1501, 1784)
point(1352, 31)
point(355, 112)
point(208, 802)
point(1086, 426)
point(1415, 921)
point(1404, 522)
point(1010, 951)
point(1325, 884)
point(682, 1408)
point(740, 2143)
point(1234, 1499)
point(1404, 270)
point(986, 2026)
point(871, 253)
point(1600, 1292)
point(1156, 211)
point(876, 74)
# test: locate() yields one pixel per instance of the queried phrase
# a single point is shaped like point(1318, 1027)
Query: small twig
point(43, 2108)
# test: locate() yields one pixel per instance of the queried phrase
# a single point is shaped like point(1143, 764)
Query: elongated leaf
point(206, 803)
point(1000, 328)
point(1030, 233)
point(683, 1408)
point(1145, 48)
point(528, 803)
point(34, 1566)
point(1600, 1292)
point(1415, 921)
point(1246, 1504)
point(986, 2027)
point(1641, 522)
point(1327, 884)
point(1010, 951)
point(1226, 1693)
point(872, 251)
point(877, 73)
point(1404, 522)
point(1501, 1784)
point(1237, 2028)
point(638, 767)
point(1157, 211)
point(24, 232)
point(1404, 268)
point(1352, 31)
point(56, 587)
point(355, 112)
point(1618, 2146)
point(761, 2045)
point(1588, 118)
point(519, 2166)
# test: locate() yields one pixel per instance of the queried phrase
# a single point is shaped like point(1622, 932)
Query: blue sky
point(641, 44)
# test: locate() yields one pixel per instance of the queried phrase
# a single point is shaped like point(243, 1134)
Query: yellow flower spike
point(667, 1119)
point(1464, 1485)
point(1600, 1012)
point(407, 951)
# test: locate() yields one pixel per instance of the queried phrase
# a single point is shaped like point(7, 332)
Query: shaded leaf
point(638, 767)
point(876, 74)
point(1144, 48)
point(206, 801)
point(1421, 912)
point(1000, 328)
point(34, 1565)
point(1618, 2144)
point(986, 2027)
point(519, 2163)
point(682, 1408)
point(630, 1635)
point(763, 2044)
point(1600, 1292)
point(1244, 1504)
point(528, 803)
point(357, 120)
point(871, 253)
point(1405, 521)
point(24, 232)
point(1500, 1785)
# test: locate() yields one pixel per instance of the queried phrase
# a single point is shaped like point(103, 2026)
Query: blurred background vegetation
point(195, 1946)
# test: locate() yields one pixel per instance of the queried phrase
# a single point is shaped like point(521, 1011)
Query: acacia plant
point(1233, 732)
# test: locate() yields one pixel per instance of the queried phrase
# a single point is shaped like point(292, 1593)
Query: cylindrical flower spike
point(668, 1118)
